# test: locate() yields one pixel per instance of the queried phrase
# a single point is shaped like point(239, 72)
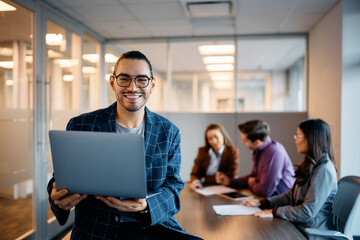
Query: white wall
point(350, 100)
point(324, 88)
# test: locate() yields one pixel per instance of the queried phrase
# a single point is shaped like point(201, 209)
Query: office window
point(65, 92)
point(111, 57)
point(16, 120)
point(271, 74)
point(202, 76)
point(91, 73)
point(251, 74)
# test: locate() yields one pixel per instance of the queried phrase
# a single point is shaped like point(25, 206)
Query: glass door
point(16, 121)
point(64, 82)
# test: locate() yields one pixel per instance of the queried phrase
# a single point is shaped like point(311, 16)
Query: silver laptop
point(98, 163)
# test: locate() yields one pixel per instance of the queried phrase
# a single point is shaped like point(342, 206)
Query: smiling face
point(215, 139)
point(301, 142)
point(132, 98)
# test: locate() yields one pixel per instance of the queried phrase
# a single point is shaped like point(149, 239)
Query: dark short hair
point(133, 55)
point(255, 129)
point(221, 129)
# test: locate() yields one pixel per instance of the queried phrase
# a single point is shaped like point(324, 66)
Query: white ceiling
point(168, 18)
point(160, 19)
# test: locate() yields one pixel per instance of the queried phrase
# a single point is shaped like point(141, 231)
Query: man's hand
point(63, 200)
point(251, 180)
point(195, 184)
point(128, 205)
point(222, 178)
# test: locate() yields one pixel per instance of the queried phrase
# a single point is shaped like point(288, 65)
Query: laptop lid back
point(98, 163)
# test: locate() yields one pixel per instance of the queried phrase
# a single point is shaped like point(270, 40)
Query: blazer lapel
point(108, 116)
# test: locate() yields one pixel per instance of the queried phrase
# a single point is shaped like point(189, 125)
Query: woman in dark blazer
point(218, 154)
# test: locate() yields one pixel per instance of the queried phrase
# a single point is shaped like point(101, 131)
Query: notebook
point(98, 163)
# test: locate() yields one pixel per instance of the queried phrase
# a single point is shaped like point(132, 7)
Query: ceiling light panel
point(219, 67)
point(218, 59)
point(216, 49)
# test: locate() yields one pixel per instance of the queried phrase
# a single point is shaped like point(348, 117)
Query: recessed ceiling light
point(93, 58)
point(6, 7)
point(223, 76)
point(219, 67)
point(110, 58)
point(216, 49)
point(218, 59)
point(88, 70)
point(7, 64)
point(9, 82)
point(54, 39)
point(68, 78)
point(222, 85)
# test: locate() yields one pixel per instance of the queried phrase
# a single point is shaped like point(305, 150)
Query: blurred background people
point(218, 154)
point(309, 202)
point(273, 171)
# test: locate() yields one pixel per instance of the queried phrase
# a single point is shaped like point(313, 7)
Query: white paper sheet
point(231, 210)
point(216, 189)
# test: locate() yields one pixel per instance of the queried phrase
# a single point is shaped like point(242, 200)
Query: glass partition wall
point(242, 74)
point(16, 121)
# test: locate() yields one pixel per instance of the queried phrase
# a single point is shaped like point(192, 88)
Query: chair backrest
point(346, 207)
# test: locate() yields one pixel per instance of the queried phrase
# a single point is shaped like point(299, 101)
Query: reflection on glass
point(91, 73)
point(65, 89)
point(16, 121)
point(271, 74)
point(203, 76)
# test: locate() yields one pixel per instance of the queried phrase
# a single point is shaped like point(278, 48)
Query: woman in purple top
point(272, 172)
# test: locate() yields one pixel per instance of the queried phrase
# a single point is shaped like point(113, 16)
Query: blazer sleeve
point(60, 214)
point(231, 162)
point(166, 204)
point(198, 170)
point(322, 184)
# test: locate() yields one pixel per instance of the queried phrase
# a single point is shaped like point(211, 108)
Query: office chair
point(346, 211)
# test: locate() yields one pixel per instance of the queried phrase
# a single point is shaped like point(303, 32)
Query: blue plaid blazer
point(93, 218)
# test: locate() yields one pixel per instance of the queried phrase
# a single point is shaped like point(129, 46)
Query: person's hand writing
point(221, 178)
point(195, 184)
point(128, 205)
point(251, 180)
point(264, 213)
point(63, 200)
point(251, 202)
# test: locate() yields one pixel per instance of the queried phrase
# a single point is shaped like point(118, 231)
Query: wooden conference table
point(197, 217)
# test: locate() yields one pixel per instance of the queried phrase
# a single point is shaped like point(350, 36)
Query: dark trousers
point(132, 231)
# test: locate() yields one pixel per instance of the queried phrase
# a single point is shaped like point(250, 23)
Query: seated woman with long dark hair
point(309, 202)
point(218, 154)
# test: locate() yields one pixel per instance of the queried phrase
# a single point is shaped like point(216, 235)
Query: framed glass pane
point(16, 121)
point(271, 74)
point(203, 76)
point(65, 92)
point(91, 73)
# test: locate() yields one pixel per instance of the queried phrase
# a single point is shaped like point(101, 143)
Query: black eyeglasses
point(124, 80)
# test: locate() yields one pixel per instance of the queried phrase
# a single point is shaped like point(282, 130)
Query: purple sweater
point(272, 168)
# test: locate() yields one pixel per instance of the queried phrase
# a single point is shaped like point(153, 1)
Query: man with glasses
point(273, 171)
point(99, 217)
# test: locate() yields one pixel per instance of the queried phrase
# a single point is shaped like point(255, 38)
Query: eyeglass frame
point(296, 136)
point(131, 79)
